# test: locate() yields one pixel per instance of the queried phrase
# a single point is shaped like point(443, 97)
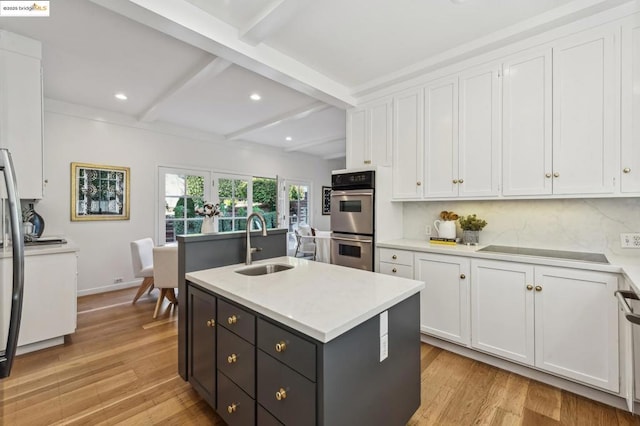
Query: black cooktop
point(558, 254)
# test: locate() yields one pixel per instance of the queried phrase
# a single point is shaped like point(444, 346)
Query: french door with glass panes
point(180, 192)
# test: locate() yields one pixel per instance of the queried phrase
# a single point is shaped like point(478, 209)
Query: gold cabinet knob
point(547, 175)
point(455, 181)
point(232, 408)
point(394, 257)
point(463, 276)
point(460, 180)
point(232, 358)
point(232, 320)
point(211, 323)
point(394, 270)
point(281, 394)
point(538, 288)
point(281, 346)
point(367, 161)
point(556, 174)
point(418, 183)
point(529, 287)
point(626, 170)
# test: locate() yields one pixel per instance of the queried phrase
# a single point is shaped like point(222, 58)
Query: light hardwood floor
point(120, 367)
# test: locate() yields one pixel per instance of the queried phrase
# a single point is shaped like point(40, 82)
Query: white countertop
point(317, 299)
point(628, 266)
point(69, 246)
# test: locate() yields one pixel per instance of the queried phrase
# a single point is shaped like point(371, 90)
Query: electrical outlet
point(118, 280)
point(427, 229)
point(630, 240)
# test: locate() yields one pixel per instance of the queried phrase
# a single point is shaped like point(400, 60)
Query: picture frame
point(99, 192)
point(326, 200)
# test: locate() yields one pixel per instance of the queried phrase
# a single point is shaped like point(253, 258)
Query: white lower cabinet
point(444, 302)
point(560, 320)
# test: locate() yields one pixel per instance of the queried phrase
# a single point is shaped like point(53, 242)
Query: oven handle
point(343, 193)
point(622, 296)
point(353, 240)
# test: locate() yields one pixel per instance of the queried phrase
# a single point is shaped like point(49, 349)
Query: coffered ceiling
point(194, 63)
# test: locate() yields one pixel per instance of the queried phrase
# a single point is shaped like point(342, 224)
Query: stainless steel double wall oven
point(353, 219)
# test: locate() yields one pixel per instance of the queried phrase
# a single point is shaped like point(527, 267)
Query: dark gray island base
point(255, 371)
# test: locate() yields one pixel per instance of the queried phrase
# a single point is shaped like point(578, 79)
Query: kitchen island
point(314, 344)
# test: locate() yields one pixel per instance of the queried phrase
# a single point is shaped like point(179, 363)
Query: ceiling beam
point(269, 20)
point(210, 70)
point(296, 114)
point(187, 22)
point(334, 156)
point(314, 143)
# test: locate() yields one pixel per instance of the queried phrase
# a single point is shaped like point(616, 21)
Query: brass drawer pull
point(281, 394)
point(232, 408)
point(529, 287)
point(538, 288)
point(281, 346)
point(394, 257)
point(556, 174)
point(394, 270)
point(460, 180)
point(626, 170)
point(463, 276)
point(232, 358)
point(232, 320)
point(211, 323)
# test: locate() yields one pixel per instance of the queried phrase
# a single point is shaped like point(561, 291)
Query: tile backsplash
point(569, 224)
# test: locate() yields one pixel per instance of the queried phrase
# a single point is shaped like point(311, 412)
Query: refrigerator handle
point(17, 238)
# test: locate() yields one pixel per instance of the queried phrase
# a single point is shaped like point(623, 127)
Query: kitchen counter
point(317, 299)
point(36, 250)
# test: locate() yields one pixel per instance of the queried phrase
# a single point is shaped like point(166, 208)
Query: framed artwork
point(99, 192)
point(326, 200)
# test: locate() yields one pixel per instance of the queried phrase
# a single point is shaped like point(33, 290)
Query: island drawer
point(399, 257)
point(234, 406)
point(238, 320)
point(265, 418)
point(288, 348)
point(289, 396)
point(236, 359)
point(403, 271)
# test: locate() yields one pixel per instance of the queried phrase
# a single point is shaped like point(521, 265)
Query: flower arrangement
point(471, 223)
point(208, 210)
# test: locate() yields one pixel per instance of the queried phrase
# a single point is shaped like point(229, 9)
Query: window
point(181, 191)
point(298, 205)
point(239, 195)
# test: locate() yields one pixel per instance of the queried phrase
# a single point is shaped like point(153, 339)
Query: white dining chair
point(165, 274)
point(306, 241)
point(142, 261)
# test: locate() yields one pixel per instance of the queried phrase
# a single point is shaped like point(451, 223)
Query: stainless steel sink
point(269, 268)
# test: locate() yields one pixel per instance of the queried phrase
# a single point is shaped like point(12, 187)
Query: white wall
point(71, 136)
point(592, 225)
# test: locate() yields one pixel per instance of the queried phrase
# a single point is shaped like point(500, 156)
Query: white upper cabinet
point(369, 135)
point(526, 124)
point(441, 139)
point(584, 113)
point(408, 144)
point(479, 134)
point(630, 152)
point(21, 106)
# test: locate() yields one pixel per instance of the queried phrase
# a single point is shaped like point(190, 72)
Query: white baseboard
point(25, 349)
point(577, 388)
point(107, 288)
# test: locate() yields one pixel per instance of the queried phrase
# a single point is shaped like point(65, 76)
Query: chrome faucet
point(264, 234)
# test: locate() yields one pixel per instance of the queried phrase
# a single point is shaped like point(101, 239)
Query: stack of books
point(443, 241)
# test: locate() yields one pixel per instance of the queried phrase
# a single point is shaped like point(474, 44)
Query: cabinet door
point(441, 139)
point(630, 158)
point(202, 344)
point(21, 125)
point(444, 302)
point(407, 145)
point(479, 133)
point(584, 111)
point(357, 145)
point(576, 328)
point(526, 124)
point(50, 295)
point(502, 309)
point(380, 126)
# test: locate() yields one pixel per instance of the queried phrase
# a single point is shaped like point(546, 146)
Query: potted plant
point(471, 226)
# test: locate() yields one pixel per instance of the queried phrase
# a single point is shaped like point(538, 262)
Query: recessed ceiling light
point(121, 96)
point(288, 138)
point(255, 97)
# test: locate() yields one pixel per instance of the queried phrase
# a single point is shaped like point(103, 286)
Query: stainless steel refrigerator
point(10, 342)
